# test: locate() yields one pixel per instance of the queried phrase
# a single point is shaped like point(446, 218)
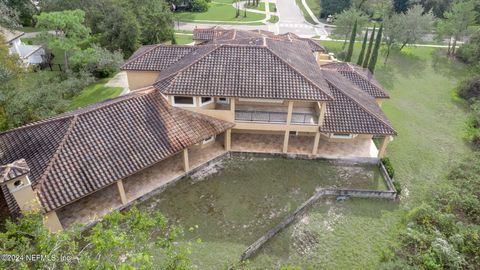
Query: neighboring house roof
point(353, 110)
point(361, 77)
point(156, 57)
point(220, 35)
point(276, 69)
point(10, 35)
point(80, 152)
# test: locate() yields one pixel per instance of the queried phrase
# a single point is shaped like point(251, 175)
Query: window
point(184, 101)
point(205, 100)
point(342, 135)
point(223, 100)
point(261, 100)
point(207, 140)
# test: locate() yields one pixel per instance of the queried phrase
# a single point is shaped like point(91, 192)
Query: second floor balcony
point(276, 115)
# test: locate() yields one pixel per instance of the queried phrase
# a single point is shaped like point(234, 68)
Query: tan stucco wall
point(139, 79)
point(51, 221)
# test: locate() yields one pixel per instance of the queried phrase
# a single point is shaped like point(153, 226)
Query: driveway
point(292, 20)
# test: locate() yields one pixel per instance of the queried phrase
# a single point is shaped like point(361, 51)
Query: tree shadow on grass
point(406, 64)
point(448, 67)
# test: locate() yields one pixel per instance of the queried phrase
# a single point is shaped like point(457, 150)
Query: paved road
point(292, 20)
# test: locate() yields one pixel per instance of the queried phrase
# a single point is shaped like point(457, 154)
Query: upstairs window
point(206, 100)
point(223, 100)
point(342, 135)
point(183, 101)
point(207, 140)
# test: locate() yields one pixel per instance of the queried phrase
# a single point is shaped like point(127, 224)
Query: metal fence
point(275, 117)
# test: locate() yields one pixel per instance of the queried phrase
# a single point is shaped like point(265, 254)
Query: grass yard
point(272, 7)
point(314, 6)
point(183, 38)
point(261, 6)
point(96, 92)
point(220, 10)
point(430, 124)
point(304, 12)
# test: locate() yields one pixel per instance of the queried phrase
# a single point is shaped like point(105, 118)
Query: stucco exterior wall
point(139, 79)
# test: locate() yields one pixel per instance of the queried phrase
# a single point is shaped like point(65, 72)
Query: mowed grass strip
point(219, 10)
point(94, 93)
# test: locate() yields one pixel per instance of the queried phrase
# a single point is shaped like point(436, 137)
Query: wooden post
point(315, 143)
point(228, 139)
point(186, 166)
point(285, 141)
point(121, 190)
point(383, 147)
point(290, 110)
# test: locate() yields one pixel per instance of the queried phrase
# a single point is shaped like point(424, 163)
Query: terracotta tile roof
point(234, 36)
point(353, 111)
point(275, 70)
point(81, 152)
point(13, 170)
point(361, 77)
point(156, 57)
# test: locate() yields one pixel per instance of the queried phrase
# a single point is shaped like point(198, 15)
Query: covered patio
point(272, 143)
point(96, 205)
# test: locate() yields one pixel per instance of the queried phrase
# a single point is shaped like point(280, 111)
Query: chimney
point(15, 177)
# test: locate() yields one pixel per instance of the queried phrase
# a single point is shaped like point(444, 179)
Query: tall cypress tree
point(362, 51)
point(378, 41)
point(369, 50)
point(348, 58)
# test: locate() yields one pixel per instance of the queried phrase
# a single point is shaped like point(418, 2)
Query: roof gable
point(156, 58)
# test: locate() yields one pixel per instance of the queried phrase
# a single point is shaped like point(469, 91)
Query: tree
point(362, 51)
point(98, 61)
point(393, 28)
point(348, 58)
point(25, 10)
point(376, 48)
point(130, 239)
point(69, 29)
point(369, 50)
point(438, 7)
point(380, 8)
point(415, 24)
point(457, 22)
point(8, 16)
point(332, 7)
point(345, 21)
point(469, 52)
point(401, 6)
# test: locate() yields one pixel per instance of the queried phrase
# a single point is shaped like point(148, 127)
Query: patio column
point(228, 139)
point(323, 108)
point(383, 147)
point(315, 143)
point(290, 110)
point(51, 221)
point(186, 166)
point(121, 190)
point(285, 141)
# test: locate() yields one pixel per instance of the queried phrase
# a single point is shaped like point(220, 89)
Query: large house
point(243, 91)
point(29, 54)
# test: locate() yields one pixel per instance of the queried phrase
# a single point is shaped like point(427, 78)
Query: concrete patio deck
point(96, 205)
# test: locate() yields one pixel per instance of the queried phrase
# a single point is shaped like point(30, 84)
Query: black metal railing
point(275, 117)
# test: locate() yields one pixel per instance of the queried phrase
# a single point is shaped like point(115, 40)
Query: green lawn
point(273, 19)
point(219, 10)
point(94, 93)
point(261, 6)
point(272, 7)
point(183, 39)
point(304, 12)
point(430, 125)
point(314, 6)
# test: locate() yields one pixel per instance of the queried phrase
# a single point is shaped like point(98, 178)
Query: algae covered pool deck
point(236, 201)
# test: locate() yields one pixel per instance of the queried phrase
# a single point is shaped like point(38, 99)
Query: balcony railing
point(275, 117)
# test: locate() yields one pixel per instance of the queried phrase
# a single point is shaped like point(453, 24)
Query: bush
point(199, 5)
point(99, 61)
point(469, 52)
point(470, 89)
point(398, 187)
point(388, 166)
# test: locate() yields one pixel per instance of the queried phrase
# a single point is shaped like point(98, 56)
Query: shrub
point(99, 61)
point(469, 52)
point(470, 89)
point(398, 187)
point(388, 166)
point(199, 5)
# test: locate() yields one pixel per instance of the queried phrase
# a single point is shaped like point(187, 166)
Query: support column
point(383, 148)
point(228, 139)
point(186, 166)
point(51, 221)
point(121, 191)
point(285, 141)
point(323, 108)
point(290, 110)
point(315, 143)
